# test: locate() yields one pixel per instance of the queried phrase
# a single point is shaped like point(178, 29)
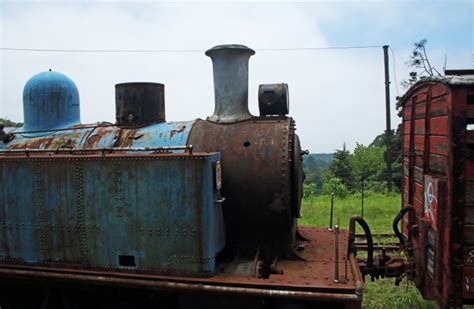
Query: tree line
point(343, 172)
point(8, 123)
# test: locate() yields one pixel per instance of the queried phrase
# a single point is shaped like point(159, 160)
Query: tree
point(341, 168)
point(369, 164)
point(336, 186)
point(420, 62)
point(8, 123)
point(314, 166)
point(309, 189)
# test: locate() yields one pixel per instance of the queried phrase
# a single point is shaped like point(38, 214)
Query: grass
point(379, 212)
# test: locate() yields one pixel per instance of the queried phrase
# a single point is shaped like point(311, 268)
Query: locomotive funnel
point(139, 104)
point(230, 66)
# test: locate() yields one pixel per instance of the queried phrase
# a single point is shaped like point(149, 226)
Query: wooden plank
point(469, 233)
point(439, 106)
point(419, 161)
point(439, 145)
point(406, 141)
point(438, 163)
point(420, 126)
point(469, 214)
point(469, 137)
point(406, 183)
point(421, 95)
point(468, 272)
point(419, 191)
point(406, 127)
point(406, 169)
point(468, 282)
point(405, 199)
point(407, 112)
point(406, 190)
point(438, 90)
point(439, 125)
point(470, 169)
point(470, 111)
point(420, 110)
point(468, 253)
point(469, 192)
point(420, 142)
point(418, 205)
point(418, 173)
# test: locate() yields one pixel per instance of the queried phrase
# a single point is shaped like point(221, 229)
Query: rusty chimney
point(230, 66)
point(139, 104)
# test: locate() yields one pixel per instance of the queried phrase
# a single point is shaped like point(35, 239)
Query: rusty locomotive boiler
point(202, 207)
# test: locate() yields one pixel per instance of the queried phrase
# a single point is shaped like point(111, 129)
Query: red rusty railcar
point(438, 182)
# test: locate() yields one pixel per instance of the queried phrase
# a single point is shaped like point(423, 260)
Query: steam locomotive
point(203, 205)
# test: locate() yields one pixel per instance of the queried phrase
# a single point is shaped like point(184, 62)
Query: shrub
point(336, 186)
point(309, 189)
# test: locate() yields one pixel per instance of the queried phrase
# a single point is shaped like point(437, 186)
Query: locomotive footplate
point(311, 280)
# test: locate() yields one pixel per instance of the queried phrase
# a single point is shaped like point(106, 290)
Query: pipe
point(403, 239)
point(368, 235)
point(103, 150)
point(388, 132)
point(230, 69)
point(336, 253)
point(331, 212)
point(358, 280)
point(103, 279)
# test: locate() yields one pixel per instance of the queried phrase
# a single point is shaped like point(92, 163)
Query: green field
point(379, 211)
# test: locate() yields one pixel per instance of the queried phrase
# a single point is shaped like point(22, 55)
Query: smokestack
point(230, 66)
point(139, 104)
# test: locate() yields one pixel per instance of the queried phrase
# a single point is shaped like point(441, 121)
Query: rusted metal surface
point(273, 99)
point(261, 157)
point(312, 279)
point(105, 135)
point(297, 174)
point(136, 282)
point(258, 179)
point(104, 151)
point(437, 184)
point(231, 78)
point(139, 104)
point(131, 212)
point(381, 242)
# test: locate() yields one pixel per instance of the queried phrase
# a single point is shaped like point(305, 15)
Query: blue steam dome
point(50, 101)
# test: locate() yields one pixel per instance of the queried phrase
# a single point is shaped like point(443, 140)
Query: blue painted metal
point(163, 134)
point(50, 101)
point(153, 213)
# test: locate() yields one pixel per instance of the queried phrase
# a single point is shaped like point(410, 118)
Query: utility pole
point(388, 132)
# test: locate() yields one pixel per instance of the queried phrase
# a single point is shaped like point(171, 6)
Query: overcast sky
point(336, 96)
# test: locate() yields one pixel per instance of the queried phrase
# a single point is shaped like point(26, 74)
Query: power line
point(17, 49)
point(319, 48)
point(101, 50)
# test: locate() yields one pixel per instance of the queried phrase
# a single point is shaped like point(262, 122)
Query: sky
point(336, 96)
